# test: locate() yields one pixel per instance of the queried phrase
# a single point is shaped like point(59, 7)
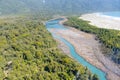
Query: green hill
point(57, 6)
point(28, 52)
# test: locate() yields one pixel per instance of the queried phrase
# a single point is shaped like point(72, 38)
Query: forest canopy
point(28, 52)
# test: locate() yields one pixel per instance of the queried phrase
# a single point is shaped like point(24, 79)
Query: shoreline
point(93, 56)
point(102, 21)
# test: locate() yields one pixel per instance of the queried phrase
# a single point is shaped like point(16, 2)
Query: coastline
point(102, 21)
point(94, 57)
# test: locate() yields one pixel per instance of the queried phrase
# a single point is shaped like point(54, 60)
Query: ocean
point(113, 14)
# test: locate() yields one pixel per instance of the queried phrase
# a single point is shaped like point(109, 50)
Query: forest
point(29, 52)
point(109, 38)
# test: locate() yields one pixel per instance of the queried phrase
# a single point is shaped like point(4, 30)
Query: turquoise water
point(55, 24)
point(113, 14)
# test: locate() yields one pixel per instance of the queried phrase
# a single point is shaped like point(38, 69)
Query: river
point(52, 24)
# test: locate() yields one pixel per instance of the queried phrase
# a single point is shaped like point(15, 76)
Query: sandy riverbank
point(63, 47)
point(87, 47)
point(102, 21)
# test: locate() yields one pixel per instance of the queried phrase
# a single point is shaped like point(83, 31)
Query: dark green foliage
point(110, 38)
point(95, 77)
point(28, 52)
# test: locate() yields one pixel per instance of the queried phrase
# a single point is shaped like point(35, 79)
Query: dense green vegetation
point(28, 52)
point(110, 38)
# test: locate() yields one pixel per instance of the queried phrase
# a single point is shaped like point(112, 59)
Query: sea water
point(112, 14)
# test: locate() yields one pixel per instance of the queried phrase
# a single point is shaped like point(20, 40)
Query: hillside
point(28, 52)
point(57, 6)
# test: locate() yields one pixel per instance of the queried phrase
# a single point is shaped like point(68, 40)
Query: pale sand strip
point(102, 21)
point(63, 47)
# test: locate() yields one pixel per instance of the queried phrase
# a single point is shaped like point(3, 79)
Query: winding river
point(52, 24)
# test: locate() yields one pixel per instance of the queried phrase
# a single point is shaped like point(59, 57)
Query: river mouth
point(54, 24)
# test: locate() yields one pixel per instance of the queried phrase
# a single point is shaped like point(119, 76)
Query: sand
point(64, 48)
point(102, 21)
point(87, 47)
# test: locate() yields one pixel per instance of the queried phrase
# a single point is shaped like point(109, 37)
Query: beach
point(102, 21)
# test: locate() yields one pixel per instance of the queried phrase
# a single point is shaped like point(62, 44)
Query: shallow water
point(112, 14)
point(55, 24)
